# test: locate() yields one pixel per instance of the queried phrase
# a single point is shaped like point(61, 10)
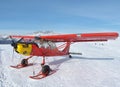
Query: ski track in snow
point(99, 66)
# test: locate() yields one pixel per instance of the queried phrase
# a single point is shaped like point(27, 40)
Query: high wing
point(82, 37)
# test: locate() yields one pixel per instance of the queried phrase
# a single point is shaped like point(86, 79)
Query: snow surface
point(99, 66)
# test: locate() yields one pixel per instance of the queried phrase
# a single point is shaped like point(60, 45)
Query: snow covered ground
point(99, 66)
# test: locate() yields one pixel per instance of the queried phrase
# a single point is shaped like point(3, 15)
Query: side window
point(51, 44)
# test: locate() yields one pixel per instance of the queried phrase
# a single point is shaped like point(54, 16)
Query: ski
point(41, 76)
point(20, 66)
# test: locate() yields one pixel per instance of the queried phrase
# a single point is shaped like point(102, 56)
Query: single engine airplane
point(46, 45)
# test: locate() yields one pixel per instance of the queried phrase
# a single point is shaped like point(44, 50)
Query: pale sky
point(64, 16)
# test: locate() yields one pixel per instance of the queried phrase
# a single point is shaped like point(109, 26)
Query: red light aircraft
point(27, 45)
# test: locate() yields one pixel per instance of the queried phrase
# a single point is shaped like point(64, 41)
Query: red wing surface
point(83, 37)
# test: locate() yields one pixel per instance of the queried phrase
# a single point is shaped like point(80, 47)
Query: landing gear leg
point(45, 68)
point(43, 61)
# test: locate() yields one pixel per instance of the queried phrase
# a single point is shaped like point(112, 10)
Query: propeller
point(14, 43)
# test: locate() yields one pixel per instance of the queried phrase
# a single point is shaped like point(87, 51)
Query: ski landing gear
point(46, 71)
point(24, 63)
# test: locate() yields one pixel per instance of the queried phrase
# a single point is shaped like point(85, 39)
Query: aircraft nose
point(14, 44)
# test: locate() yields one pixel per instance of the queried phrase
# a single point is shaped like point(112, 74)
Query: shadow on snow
point(60, 61)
